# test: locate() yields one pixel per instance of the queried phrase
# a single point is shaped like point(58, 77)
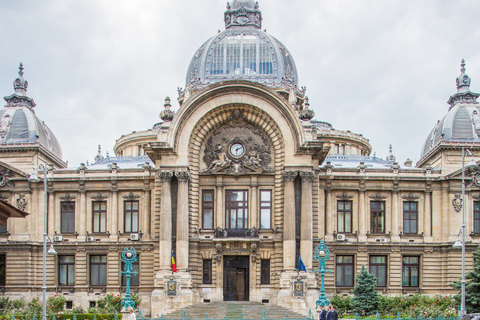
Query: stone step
point(233, 310)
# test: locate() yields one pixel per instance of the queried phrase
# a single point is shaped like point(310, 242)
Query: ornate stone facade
point(239, 184)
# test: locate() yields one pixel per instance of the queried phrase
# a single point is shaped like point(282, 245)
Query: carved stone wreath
point(256, 157)
point(21, 202)
point(457, 202)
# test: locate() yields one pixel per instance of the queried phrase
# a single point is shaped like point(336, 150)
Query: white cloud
point(100, 69)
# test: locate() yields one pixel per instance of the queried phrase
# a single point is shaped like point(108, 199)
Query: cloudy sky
point(98, 69)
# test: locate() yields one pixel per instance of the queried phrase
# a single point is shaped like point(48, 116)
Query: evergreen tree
point(366, 299)
point(472, 285)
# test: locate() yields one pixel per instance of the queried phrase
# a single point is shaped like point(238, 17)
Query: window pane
point(340, 222)
point(208, 219)
point(348, 223)
point(348, 205)
point(208, 196)
point(265, 196)
point(265, 219)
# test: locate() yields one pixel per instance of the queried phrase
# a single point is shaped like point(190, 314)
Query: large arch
point(228, 93)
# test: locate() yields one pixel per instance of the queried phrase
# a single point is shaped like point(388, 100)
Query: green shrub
point(343, 303)
point(89, 316)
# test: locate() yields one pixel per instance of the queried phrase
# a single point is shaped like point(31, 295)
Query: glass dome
point(246, 54)
point(242, 52)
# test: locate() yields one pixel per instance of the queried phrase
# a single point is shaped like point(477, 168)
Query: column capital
point(165, 176)
point(182, 176)
point(289, 176)
point(307, 176)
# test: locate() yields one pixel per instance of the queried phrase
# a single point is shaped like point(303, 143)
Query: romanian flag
point(174, 266)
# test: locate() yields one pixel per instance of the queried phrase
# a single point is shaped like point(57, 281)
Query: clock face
point(237, 149)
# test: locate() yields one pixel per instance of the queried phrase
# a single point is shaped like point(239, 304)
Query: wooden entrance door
point(235, 278)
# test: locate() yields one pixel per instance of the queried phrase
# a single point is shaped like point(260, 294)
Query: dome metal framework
point(242, 52)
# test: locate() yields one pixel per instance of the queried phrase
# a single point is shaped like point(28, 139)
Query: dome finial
point(391, 157)
point(463, 80)
point(243, 13)
point(463, 95)
point(20, 84)
point(20, 71)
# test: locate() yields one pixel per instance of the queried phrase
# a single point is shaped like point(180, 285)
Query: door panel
point(235, 275)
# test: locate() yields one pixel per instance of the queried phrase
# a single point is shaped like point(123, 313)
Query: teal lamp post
point(129, 256)
point(322, 254)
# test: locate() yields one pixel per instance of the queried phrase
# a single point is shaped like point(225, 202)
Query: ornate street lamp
point(34, 179)
point(322, 254)
point(129, 256)
point(471, 167)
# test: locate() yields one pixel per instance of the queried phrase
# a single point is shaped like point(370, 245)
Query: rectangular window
point(3, 229)
point(207, 209)
point(377, 217)
point(345, 275)
point(265, 271)
point(67, 217)
point(410, 217)
point(378, 267)
point(207, 271)
point(98, 270)
point(265, 209)
point(236, 209)
point(3, 270)
point(344, 216)
point(134, 279)
point(131, 216)
point(66, 270)
point(476, 217)
point(99, 215)
point(410, 271)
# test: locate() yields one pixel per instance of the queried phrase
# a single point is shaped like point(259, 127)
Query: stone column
point(166, 221)
point(395, 216)
point(54, 220)
point(218, 219)
point(182, 220)
point(330, 221)
point(362, 219)
point(427, 211)
point(82, 214)
point(306, 232)
point(289, 221)
point(115, 214)
point(147, 214)
point(253, 214)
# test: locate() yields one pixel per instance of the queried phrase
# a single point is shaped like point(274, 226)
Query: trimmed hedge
point(87, 316)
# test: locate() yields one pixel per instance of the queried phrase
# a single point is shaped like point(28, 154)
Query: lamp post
point(129, 256)
point(472, 166)
point(34, 179)
point(322, 254)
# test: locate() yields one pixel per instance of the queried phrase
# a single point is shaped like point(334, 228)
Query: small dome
point(19, 124)
point(242, 52)
point(462, 121)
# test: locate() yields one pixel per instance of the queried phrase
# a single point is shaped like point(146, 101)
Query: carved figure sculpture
point(253, 158)
point(221, 160)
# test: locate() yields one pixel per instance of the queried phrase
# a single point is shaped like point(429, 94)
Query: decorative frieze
point(307, 176)
point(98, 197)
point(131, 196)
point(5, 175)
point(457, 202)
point(182, 176)
point(21, 202)
point(344, 196)
point(289, 176)
point(68, 197)
point(165, 176)
point(410, 197)
point(378, 197)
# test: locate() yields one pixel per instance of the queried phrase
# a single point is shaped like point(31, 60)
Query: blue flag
point(301, 266)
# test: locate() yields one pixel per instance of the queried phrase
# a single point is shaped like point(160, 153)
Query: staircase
point(234, 310)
